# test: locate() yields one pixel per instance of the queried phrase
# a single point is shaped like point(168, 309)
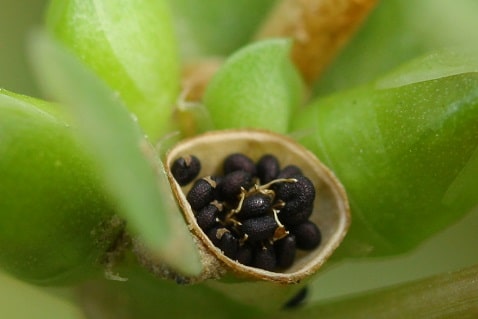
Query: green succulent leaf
point(130, 46)
point(126, 161)
point(407, 155)
point(257, 87)
point(432, 66)
point(56, 220)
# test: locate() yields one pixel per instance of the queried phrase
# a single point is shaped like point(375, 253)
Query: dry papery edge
point(215, 146)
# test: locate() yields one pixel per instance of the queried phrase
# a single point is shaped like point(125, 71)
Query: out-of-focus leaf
point(407, 156)
point(445, 296)
point(143, 297)
point(127, 162)
point(216, 27)
point(55, 216)
point(257, 87)
point(131, 46)
point(396, 32)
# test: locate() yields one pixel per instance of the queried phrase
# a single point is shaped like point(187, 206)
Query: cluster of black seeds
point(256, 213)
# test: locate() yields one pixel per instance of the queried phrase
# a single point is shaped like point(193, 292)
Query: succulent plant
point(89, 193)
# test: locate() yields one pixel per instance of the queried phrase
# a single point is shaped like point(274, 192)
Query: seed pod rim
point(255, 143)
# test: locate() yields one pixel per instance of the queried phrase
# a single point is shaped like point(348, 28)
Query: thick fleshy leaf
point(130, 46)
point(257, 87)
point(433, 66)
point(132, 172)
point(407, 156)
point(56, 222)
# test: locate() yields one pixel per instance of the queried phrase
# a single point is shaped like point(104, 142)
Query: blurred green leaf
point(41, 304)
point(257, 87)
point(407, 156)
point(55, 217)
point(131, 47)
point(132, 172)
point(445, 296)
point(216, 27)
point(396, 32)
point(145, 297)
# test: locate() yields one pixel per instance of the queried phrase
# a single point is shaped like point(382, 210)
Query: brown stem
point(195, 78)
point(319, 29)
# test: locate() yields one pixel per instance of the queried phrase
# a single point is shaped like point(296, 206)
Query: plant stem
point(445, 296)
point(319, 28)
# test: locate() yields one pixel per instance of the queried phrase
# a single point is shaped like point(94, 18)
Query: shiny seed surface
point(185, 169)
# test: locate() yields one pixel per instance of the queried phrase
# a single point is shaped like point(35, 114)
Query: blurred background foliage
point(397, 31)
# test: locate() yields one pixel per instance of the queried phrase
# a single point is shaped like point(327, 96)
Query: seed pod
point(239, 162)
point(185, 169)
point(231, 184)
point(259, 228)
point(267, 168)
point(307, 235)
point(330, 204)
point(202, 193)
point(255, 205)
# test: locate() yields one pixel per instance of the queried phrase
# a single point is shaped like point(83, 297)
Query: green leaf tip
point(125, 160)
point(257, 87)
point(432, 66)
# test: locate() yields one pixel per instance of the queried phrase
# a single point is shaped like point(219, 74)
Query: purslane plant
point(90, 174)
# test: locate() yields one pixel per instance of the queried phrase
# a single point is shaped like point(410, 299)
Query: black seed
point(215, 234)
point(255, 204)
point(264, 257)
point(202, 193)
point(307, 235)
point(206, 216)
point(239, 162)
point(230, 186)
point(185, 169)
point(267, 168)
point(229, 245)
point(285, 251)
point(289, 171)
point(295, 212)
point(259, 228)
point(298, 299)
point(302, 190)
point(244, 255)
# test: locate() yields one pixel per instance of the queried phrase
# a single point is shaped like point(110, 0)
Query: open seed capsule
point(330, 206)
